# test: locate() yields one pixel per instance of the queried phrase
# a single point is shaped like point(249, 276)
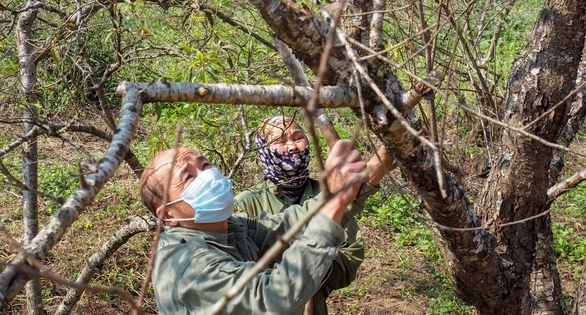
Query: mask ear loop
point(173, 219)
point(172, 202)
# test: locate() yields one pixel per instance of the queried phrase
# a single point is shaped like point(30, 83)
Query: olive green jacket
point(265, 197)
point(194, 269)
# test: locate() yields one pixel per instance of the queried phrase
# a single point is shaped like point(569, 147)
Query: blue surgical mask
point(211, 197)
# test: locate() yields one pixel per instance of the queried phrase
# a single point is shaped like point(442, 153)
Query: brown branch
point(400, 121)
point(474, 113)
point(50, 275)
point(495, 34)
point(306, 35)
point(99, 83)
point(51, 129)
point(35, 131)
point(472, 60)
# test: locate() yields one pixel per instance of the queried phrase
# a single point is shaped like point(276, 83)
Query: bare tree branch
point(563, 187)
point(94, 263)
point(277, 95)
point(15, 144)
point(307, 41)
point(11, 280)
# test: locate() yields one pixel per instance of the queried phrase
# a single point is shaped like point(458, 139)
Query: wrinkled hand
point(344, 165)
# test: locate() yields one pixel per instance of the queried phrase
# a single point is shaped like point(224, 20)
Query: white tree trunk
point(28, 79)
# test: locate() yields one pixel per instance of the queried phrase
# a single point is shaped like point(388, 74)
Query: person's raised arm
point(378, 167)
point(344, 165)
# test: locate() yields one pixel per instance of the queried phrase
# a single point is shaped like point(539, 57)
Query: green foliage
point(398, 212)
point(58, 180)
point(9, 61)
point(447, 301)
point(568, 243)
point(449, 304)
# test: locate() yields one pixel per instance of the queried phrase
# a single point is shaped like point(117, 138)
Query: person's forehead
point(286, 127)
point(165, 159)
point(168, 155)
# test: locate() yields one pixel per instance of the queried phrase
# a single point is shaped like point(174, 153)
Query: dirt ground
point(389, 281)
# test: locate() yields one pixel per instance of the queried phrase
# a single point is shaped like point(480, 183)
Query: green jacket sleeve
point(346, 264)
point(351, 255)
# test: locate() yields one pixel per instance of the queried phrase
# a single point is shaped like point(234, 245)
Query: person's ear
point(163, 214)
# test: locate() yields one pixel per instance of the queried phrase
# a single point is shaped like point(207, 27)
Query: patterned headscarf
point(285, 169)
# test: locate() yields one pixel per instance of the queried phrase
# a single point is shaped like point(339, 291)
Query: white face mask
point(211, 197)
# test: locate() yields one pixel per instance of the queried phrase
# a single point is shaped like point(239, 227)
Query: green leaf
point(158, 110)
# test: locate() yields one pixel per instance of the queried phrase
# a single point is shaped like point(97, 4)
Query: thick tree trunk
point(30, 212)
point(576, 114)
point(307, 36)
point(517, 187)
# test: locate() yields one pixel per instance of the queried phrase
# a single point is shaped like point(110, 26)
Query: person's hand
point(344, 165)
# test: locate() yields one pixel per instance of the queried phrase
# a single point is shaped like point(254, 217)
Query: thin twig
point(35, 131)
point(398, 115)
point(164, 201)
point(467, 109)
